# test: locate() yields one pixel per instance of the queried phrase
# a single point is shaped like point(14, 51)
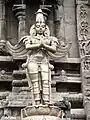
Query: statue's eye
point(43, 26)
point(38, 26)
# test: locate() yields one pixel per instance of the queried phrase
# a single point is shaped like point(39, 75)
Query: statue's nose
point(40, 28)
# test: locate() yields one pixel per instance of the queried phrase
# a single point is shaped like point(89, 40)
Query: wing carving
point(18, 51)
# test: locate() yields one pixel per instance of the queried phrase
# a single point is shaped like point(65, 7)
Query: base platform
point(41, 112)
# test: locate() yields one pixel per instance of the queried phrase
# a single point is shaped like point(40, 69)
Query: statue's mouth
point(40, 32)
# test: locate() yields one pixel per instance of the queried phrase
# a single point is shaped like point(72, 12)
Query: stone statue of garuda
point(37, 48)
point(39, 44)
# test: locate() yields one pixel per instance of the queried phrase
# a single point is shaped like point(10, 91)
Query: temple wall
point(14, 90)
point(67, 27)
point(70, 26)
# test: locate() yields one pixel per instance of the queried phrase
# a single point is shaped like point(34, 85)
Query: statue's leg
point(33, 74)
point(45, 83)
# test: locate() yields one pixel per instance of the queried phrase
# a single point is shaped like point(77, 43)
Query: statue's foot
point(36, 106)
point(48, 103)
point(37, 102)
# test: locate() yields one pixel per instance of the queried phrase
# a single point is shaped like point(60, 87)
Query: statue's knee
point(45, 75)
point(32, 67)
point(44, 67)
point(33, 77)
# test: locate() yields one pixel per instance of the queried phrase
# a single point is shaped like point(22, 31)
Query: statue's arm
point(52, 46)
point(32, 46)
point(29, 45)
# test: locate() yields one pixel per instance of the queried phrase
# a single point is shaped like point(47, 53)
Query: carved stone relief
point(83, 38)
point(84, 47)
point(63, 76)
point(83, 11)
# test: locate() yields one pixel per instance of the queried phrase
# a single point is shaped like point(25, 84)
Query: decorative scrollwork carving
point(86, 63)
point(83, 11)
point(84, 25)
point(84, 28)
point(84, 41)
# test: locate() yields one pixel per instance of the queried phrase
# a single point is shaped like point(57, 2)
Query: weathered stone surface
point(4, 76)
point(19, 100)
point(19, 97)
point(24, 98)
point(20, 82)
point(82, 1)
point(68, 60)
point(19, 103)
point(3, 95)
point(71, 97)
point(20, 89)
point(20, 12)
point(70, 29)
point(2, 20)
point(75, 16)
point(69, 3)
point(6, 59)
point(83, 40)
point(9, 118)
point(56, 79)
point(19, 72)
point(59, 79)
point(78, 113)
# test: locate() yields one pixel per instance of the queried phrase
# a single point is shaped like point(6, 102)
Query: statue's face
point(40, 27)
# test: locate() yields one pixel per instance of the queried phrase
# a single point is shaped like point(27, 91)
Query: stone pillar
point(2, 20)
point(83, 31)
point(57, 17)
point(58, 11)
point(59, 27)
point(20, 13)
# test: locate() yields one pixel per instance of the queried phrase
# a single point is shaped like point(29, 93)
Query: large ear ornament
point(47, 31)
point(32, 30)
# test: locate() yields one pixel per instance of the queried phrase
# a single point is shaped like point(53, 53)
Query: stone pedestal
point(41, 112)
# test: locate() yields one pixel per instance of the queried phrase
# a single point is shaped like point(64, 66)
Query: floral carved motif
point(84, 47)
point(84, 40)
point(83, 11)
point(84, 25)
point(84, 28)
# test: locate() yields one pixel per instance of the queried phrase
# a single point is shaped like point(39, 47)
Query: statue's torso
point(38, 55)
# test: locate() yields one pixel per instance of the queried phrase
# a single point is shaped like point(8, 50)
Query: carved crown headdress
point(40, 16)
